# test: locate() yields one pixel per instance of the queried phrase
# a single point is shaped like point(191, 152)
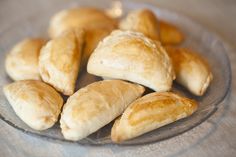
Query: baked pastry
point(36, 103)
point(79, 18)
point(22, 61)
point(96, 105)
point(192, 71)
point(143, 21)
point(59, 61)
point(170, 34)
point(131, 56)
point(92, 37)
point(151, 112)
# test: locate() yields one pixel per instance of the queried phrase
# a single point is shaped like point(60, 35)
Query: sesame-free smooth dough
point(34, 102)
point(170, 34)
point(80, 17)
point(151, 112)
point(191, 70)
point(143, 21)
point(96, 105)
point(59, 61)
point(22, 61)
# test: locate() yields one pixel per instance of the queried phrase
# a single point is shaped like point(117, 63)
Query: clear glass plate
point(197, 37)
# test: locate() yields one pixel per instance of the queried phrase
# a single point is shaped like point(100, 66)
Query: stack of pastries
point(132, 53)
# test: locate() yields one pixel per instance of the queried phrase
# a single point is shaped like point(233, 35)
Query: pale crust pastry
point(131, 56)
point(143, 21)
point(79, 18)
point(36, 103)
point(170, 34)
point(151, 112)
point(192, 71)
point(96, 105)
point(59, 61)
point(22, 61)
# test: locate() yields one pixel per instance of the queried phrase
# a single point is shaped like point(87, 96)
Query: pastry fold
point(96, 105)
point(131, 56)
point(34, 102)
point(191, 70)
point(22, 61)
point(151, 112)
point(59, 61)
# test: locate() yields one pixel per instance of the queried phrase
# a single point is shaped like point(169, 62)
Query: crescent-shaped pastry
point(96, 105)
point(92, 37)
point(79, 18)
point(36, 103)
point(59, 61)
point(22, 61)
point(170, 34)
point(131, 56)
point(192, 71)
point(151, 112)
point(143, 21)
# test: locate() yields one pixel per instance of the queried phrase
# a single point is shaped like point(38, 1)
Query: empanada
point(79, 18)
point(59, 61)
point(96, 105)
point(36, 103)
point(151, 112)
point(22, 61)
point(131, 56)
point(92, 37)
point(170, 34)
point(192, 71)
point(143, 21)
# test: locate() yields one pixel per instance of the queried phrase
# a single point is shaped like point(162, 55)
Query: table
point(215, 137)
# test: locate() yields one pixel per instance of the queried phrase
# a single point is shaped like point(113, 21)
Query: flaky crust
point(35, 102)
point(170, 34)
point(192, 71)
point(59, 61)
point(96, 105)
point(131, 56)
point(22, 61)
point(79, 18)
point(143, 21)
point(151, 112)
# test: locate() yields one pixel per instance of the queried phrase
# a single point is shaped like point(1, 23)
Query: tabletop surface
point(214, 137)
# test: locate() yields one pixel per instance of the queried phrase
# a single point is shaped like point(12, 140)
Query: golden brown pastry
point(92, 37)
point(151, 112)
point(96, 105)
point(170, 34)
point(143, 21)
point(79, 18)
point(192, 71)
point(22, 61)
point(131, 56)
point(36, 103)
point(59, 61)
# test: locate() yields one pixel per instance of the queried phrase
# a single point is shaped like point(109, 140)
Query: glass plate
point(197, 37)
